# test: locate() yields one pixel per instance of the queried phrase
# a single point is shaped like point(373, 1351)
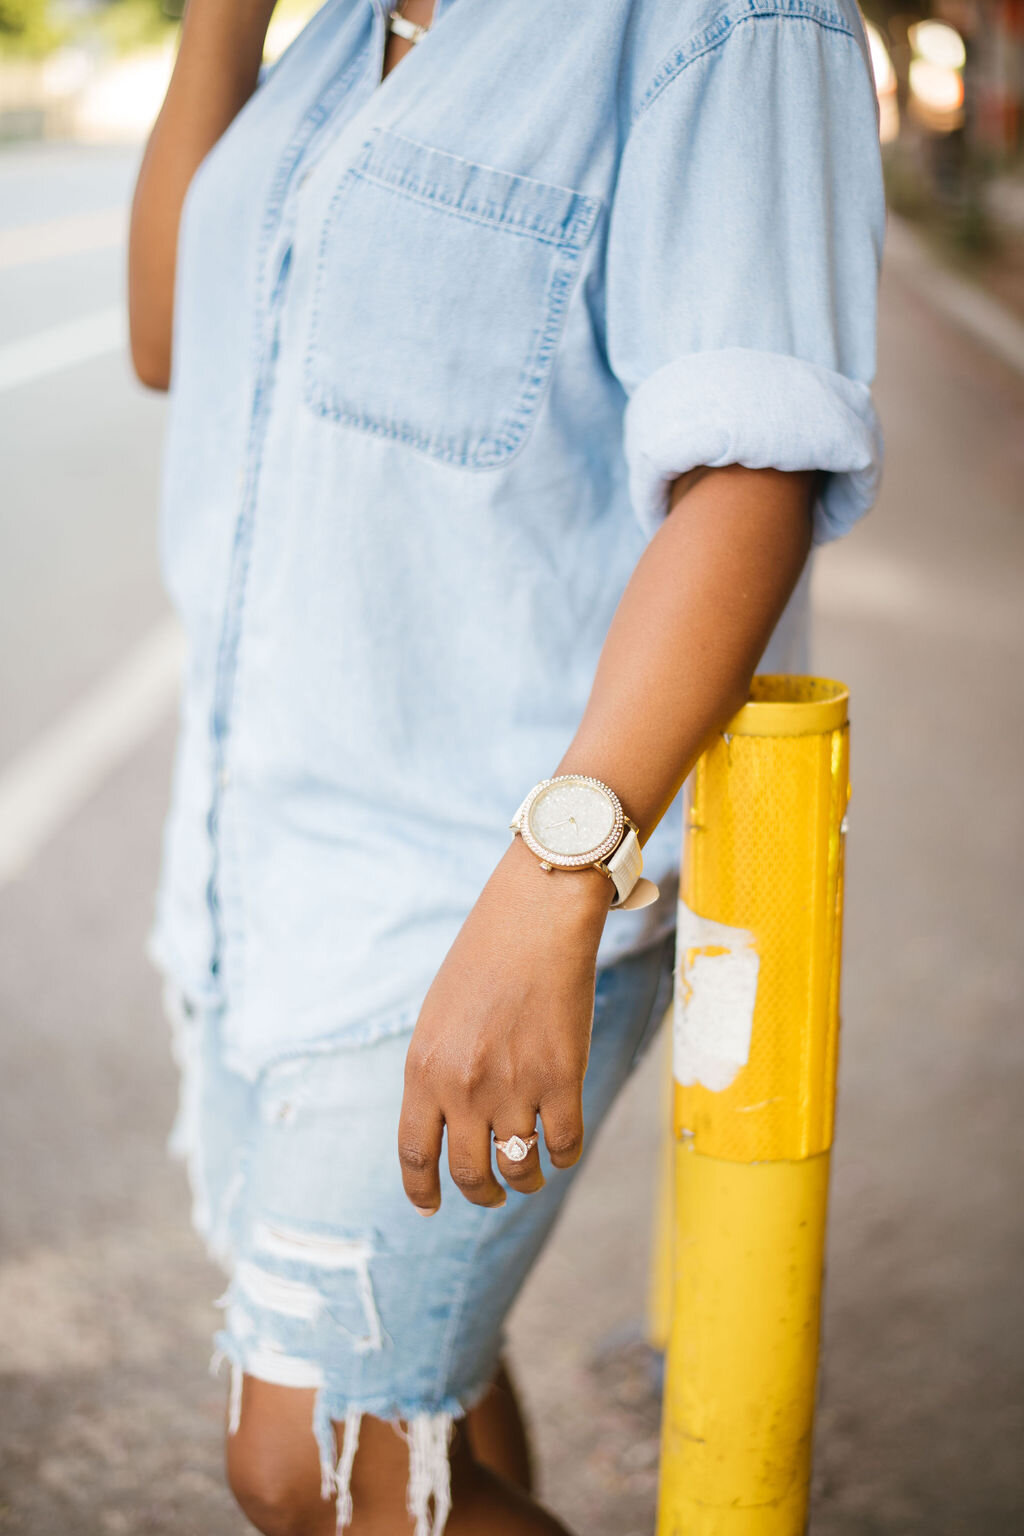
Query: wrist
point(575, 822)
point(582, 896)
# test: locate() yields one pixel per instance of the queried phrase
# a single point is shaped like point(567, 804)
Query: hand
point(504, 1033)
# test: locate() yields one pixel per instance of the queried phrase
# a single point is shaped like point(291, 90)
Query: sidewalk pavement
point(996, 320)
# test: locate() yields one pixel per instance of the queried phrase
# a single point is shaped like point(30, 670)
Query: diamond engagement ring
point(517, 1147)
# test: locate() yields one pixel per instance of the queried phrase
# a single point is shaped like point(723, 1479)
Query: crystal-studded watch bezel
point(572, 860)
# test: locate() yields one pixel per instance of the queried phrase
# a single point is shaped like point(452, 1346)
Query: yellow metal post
point(755, 1053)
point(659, 1283)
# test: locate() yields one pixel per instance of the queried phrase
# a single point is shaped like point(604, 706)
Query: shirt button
point(224, 778)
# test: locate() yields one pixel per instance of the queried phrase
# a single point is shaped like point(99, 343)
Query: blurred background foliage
point(26, 26)
point(950, 78)
point(34, 28)
point(950, 81)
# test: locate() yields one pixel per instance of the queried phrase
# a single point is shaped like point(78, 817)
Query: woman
point(519, 352)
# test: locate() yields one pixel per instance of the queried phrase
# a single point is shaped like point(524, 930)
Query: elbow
point(150, 321)
point(151, 365)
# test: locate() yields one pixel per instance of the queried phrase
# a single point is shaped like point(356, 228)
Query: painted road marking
point(61, 346)
point(42, 788)
point(101, 229)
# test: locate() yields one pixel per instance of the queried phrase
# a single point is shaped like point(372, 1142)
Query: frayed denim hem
point(427, 1431)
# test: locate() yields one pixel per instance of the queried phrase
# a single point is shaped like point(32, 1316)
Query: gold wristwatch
point(574, 821)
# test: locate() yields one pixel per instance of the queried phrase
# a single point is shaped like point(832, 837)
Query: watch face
point(573, 820)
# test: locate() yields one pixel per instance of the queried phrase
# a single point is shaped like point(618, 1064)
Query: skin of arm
point(504, 1032)
point(214, 75)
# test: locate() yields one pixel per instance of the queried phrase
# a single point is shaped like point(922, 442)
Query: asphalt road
point(108, 1423)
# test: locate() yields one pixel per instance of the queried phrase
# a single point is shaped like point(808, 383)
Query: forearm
point(215, 73)
point(689, 631)
point(504, 1032)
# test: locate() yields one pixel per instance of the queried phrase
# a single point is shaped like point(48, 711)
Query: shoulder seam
point(715, 34)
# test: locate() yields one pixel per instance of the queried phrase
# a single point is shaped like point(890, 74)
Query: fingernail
point(426, 1210)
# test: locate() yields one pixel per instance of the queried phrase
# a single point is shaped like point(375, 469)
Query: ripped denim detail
point(307, 1298)
point(247, 1344)
point(428, 1496)
point(327, 1252)
point(265, 1312)
point(428, 1434)
point(212, 1208)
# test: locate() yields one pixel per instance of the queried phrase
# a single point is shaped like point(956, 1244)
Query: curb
point(986, 320)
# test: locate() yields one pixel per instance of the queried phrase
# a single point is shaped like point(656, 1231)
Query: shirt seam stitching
point(718, 33)
point(382, 134)
point(492, 449)
point(573, 240)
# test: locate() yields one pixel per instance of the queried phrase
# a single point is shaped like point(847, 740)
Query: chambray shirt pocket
point(440, 294)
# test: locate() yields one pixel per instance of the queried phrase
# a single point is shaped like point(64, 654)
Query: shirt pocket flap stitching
point(440, 293)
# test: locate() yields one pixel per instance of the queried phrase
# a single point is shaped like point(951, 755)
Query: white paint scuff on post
point(716, 989)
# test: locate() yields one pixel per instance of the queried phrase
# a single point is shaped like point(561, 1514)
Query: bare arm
point(214, 75)
point(504, 1032)
point(690, 629)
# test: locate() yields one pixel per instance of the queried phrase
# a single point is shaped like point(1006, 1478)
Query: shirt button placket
point(272, 287)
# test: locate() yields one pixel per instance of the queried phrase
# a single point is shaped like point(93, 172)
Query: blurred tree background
point(25, 26)
point(950, 81)
point(34, 28)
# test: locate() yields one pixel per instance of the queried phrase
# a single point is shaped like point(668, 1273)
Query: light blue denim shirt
point(440, 345)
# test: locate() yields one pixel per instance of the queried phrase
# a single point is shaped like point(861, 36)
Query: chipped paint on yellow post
point(754, 1061)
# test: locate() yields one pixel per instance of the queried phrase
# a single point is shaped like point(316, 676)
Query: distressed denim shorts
point(336, 1282)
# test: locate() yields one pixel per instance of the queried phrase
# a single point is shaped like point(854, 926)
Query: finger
point(420, 1129)
point(525, 1175)
point(469, 1158)
point(562, 1118)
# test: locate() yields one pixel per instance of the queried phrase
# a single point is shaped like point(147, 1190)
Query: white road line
point(42, 788)
point(61, 346)
point(100, 229)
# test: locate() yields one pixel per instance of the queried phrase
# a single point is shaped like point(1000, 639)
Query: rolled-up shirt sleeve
point(743, 256)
